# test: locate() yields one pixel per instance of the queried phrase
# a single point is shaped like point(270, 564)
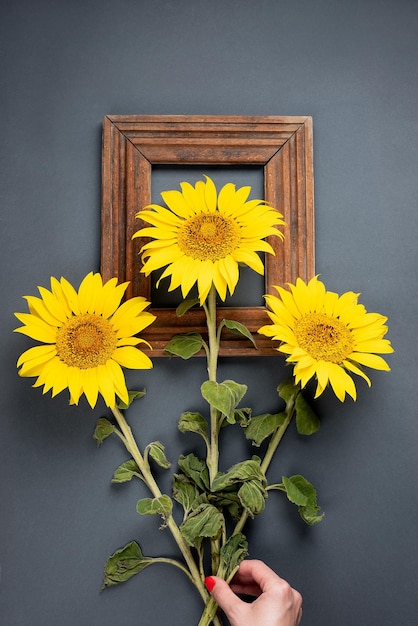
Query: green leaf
point(124, 564)
point(184, 306)
point(156, 450)
point(307, 422)
point(239, 329)
point(184, 491)
point(287, 390)
point(126, 472)
point(262, 426)
point(242, 416)
point(185, 346)
point(155, 506)
point(302, 493)
point(309, 514)
point(193, 422)
point(239, 473)
point(205, 521)
point(132, 395)
point(223, 396)
point(195, 469)
point(233, 552)
point(103, 429)
point(298, 489)
point(252, 495)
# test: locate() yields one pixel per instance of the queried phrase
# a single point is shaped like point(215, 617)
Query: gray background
point(350, 64)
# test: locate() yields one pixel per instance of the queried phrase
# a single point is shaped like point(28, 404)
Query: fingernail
point(210, 583)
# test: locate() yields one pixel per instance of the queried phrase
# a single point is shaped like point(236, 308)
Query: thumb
point(222, 594)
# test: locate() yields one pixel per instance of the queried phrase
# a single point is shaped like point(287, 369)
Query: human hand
point(276, 604)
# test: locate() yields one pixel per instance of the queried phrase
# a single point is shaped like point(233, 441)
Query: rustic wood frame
point(133, 144)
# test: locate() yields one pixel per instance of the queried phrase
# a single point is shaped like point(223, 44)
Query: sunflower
point(87, 338)
point(326, 335)
point(202, 236)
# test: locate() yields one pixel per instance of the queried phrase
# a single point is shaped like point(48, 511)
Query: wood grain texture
point(282, 146)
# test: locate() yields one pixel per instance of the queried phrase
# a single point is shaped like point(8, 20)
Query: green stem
point(213, 341)
point(271, 449)
point(132, 448)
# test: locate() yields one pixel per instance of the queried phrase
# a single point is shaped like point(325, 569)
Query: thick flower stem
point(213, 341)
point(132, 448)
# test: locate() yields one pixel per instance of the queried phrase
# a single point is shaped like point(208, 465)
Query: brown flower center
point(209, 236)
point(86, 341)
point(324, 337)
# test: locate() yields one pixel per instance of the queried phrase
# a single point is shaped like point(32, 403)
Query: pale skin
point(276, 603)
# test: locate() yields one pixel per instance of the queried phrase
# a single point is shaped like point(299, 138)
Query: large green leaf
point(252, 495)
point(193, 422)
point(239, 473)
point(205, 521)
point(287, 390)
point(307, 421)
point(103, 429)
point(124, 564)
point(185, 346)
point(261, 426)
point(156, 451)
point(223, 396)
point(184, 491)
point(233, 552)
point(195, 469)
point(126, 472)
point(302, 493)
point(239, 329)
point(155, 506)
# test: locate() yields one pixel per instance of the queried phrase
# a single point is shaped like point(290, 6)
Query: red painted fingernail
point(210, 583)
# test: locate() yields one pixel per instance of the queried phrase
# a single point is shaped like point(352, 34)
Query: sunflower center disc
point(324, 337)
point(208, 236)
point(86, 341)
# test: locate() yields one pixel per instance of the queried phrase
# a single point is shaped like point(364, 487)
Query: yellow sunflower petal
point(35, 328)
point(131, 357)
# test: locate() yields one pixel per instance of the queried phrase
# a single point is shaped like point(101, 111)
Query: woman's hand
point(276, 604)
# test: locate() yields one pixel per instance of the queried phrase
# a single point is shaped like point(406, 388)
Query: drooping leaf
point(205, 521)
point(132, 395)
point(307, 422)
point(252, 495)
point(103, 429)
point(223, 396)
point(186, 305)
point(156, 451)
point(309, 514)
point(233, 552)
point(155, 506)
point(239, 473)
point(262, 426)
point(287, 389)
point(185, 346)
point(126, 472)
point(193, 422)
point(242, 416)
point(302, 493)
point(184, 491)
point(195, 469)
point(124, 564)
point(239, 329)
point(298, 489)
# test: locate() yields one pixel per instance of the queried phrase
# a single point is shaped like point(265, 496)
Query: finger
point(253, 571)
point(223, 595)
point(249, 589)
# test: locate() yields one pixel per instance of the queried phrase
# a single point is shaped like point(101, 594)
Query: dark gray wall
point(352, 65)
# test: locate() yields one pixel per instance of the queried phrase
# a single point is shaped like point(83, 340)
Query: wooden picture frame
point(281, 146)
